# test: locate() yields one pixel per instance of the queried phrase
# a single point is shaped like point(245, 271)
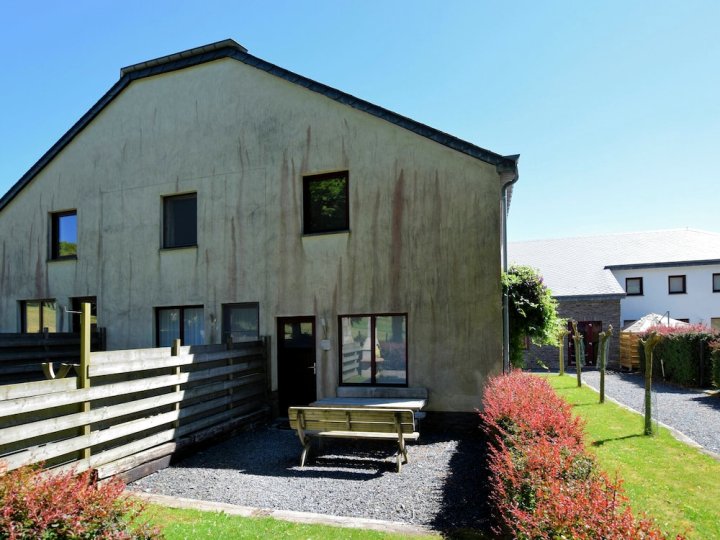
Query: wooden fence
point(127, 412)
point(22, 355)
point(629, 353)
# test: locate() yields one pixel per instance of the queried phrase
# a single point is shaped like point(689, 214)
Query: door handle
point(313, 368)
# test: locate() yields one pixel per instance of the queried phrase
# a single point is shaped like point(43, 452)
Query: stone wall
point(592, 309)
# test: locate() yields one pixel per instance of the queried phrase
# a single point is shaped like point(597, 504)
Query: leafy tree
point(532, 310)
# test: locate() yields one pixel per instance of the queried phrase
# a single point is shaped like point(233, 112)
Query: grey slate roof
point(582, 266)
point(230, 49)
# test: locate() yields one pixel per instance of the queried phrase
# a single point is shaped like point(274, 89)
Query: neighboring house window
point(186, 323)
point(241, 321)
point(715, 323)
point(683, 320)
point(63, 244)
point(325, 203)
point(716, 282)
point(374, 350)
point(76, 306)
point(634, 286)
point(36, 315)
point(676, 285)
point(180, 221)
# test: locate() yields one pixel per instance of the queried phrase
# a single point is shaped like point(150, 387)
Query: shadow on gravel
point(464, 510)
point(276, 452)
point(708, 401)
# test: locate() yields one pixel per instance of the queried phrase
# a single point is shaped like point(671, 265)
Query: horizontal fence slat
point(35, 403)
point(160, 362)
point(37, 388)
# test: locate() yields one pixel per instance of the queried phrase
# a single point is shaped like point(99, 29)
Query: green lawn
point(669, 480)
point(182, 524)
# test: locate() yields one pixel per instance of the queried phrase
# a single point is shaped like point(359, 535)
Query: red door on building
point(590, 330)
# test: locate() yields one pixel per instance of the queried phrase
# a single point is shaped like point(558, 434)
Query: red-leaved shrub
point(545, 485)
point(41, 504)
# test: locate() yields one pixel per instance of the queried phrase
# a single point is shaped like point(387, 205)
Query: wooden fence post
point(175, 351)
point(84, 375)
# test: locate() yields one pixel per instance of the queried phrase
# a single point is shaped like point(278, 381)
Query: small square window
point(634, 286)
point(240, 322)
point(37, 315)
point(716, 282)
point(180, 221)
point(325, 203)
point(676, 285)
point(186, 323)
point(63, 244)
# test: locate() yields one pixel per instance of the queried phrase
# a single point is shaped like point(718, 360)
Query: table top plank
point(387, 403)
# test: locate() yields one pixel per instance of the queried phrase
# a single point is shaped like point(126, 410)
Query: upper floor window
point(180, 220)
point(240, 322)
point(716, 282)
point(634, 286)
point(186, 323)
point(676, 285)
point(63, 235)
point(374, 350)
point(325, 203)
point(37, 315)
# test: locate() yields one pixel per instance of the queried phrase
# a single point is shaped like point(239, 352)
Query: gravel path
point(691, 412)
point(442, 486)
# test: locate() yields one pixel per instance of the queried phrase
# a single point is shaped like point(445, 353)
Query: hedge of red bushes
point(544, 483)
point(36, 504)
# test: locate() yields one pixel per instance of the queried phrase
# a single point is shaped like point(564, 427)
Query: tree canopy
point(532, 310)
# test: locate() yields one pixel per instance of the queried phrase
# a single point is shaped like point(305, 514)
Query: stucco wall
point(424, 223)
point(699, 303)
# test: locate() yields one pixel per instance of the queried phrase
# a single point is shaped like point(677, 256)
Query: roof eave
point(231, 49)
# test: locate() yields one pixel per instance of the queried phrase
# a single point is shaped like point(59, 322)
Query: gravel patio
point(442, 487)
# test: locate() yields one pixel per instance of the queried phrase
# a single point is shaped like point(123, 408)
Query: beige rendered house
point(210, 194)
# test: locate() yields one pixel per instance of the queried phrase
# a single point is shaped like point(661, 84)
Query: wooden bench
point(354, 423)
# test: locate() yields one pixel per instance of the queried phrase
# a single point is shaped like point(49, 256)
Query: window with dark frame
point(373, 350)
point(326, 203)
point(241, 321)
point(186, 323)
point(180, 221)
point(716, 282)
point(63, 235)
point(676, 285)
point(36, 315)
point(634, 286)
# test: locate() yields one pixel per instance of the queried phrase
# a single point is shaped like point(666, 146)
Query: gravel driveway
point(442, 486)
point(691, 412)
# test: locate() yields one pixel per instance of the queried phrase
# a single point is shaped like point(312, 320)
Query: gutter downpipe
point(506, 303)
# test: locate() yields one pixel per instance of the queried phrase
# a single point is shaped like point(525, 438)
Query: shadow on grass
point(600, 442)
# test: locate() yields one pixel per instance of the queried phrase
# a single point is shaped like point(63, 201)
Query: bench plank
point(354, 423)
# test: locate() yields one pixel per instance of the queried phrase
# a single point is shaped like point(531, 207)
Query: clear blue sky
point(613, 105)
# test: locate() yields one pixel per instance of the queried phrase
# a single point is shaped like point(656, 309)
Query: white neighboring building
point(618, 278)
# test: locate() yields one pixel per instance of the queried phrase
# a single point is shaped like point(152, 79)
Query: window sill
point(61, 259)
point(177, 248)
point(634, 294)
point(679, 292)
point(326, 233)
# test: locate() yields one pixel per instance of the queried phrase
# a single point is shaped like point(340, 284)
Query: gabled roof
point(230, 49)
point(582, 266)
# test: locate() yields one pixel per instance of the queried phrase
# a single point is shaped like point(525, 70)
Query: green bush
point(683, 355)
point(715, 357)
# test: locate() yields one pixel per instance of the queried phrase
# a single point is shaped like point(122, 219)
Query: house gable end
point(231, 49)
